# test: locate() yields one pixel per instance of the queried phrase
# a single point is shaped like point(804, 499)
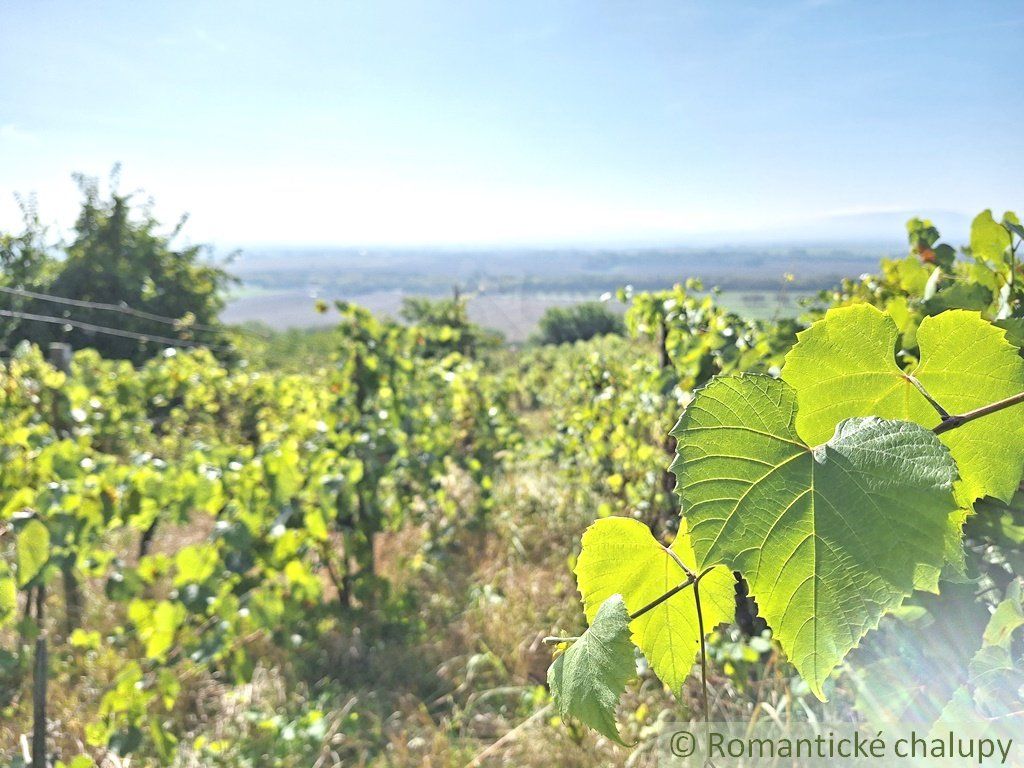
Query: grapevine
point(835, 489)
point(194, 519)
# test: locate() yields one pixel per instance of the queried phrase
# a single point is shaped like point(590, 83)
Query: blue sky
point(519, 122)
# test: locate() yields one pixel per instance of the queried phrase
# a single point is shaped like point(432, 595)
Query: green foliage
point(587, 680)
point(33, 551)
point(996, 672)
point(766, 504)
point(985, 277)
point(449, 321)
point(579, 322)
point(844, 366)
point(989, 239)
point(829, 491)
point(25, 261)
point(295, 350)
point(181, 525)
point(619, 554)
point(8, 593)
point(612, 407)
point(613, 400)
point(289, 481)
point(26, 264)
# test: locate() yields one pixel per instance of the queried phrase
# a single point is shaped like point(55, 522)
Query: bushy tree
point(119, 255)
point(26, 264)
point(560, 325)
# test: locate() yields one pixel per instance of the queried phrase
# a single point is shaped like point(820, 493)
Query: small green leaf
point(989, 239)
point(1007, 618)
point(79, 761)
point(829, 538)
point(913, 275)
point(156, 623)
point(316, 524)
point(33, 551)
point(620, 556)
point(960, 708)
point(959, 295)
point(8, 595)
point(195, 564)
point(996, 684)
point(588, 679)
point(1014, 327)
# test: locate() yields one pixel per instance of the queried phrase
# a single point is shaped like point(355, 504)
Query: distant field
point(513, 314)
point(510, 288)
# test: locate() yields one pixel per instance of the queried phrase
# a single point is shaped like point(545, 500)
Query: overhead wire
point(92, 327)
point(123, 308)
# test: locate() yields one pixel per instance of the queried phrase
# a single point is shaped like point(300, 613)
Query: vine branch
point(681, 564)
point(952, 422)
point(690, 580)
point(555, 640)
point(703, 660)
point(949, 421)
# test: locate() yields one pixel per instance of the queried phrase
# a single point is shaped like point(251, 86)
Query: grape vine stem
point(952, 422)
point(943, 414)
point(690, 580)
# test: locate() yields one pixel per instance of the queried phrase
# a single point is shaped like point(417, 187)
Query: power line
point(171, 342)
point(121, 307)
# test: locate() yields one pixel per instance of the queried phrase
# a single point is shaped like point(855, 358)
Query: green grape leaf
point(33, 551)
point(912, 274)
point(829, 538)
point(960, 708)
point(959, 296)
point(156, 624)
point(195, 563)
point(1007, 618)
point(997, 678)
point(844, 366)
point(587, 680)
point(989, 239)
point(621, 556)
point(1014, 327)
point(945, 255)
point(8, 595)
point(995, 688)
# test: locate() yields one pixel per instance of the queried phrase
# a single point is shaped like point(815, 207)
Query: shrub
point(561, 325)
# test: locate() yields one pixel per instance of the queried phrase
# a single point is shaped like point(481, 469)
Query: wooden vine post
point(39, 679)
